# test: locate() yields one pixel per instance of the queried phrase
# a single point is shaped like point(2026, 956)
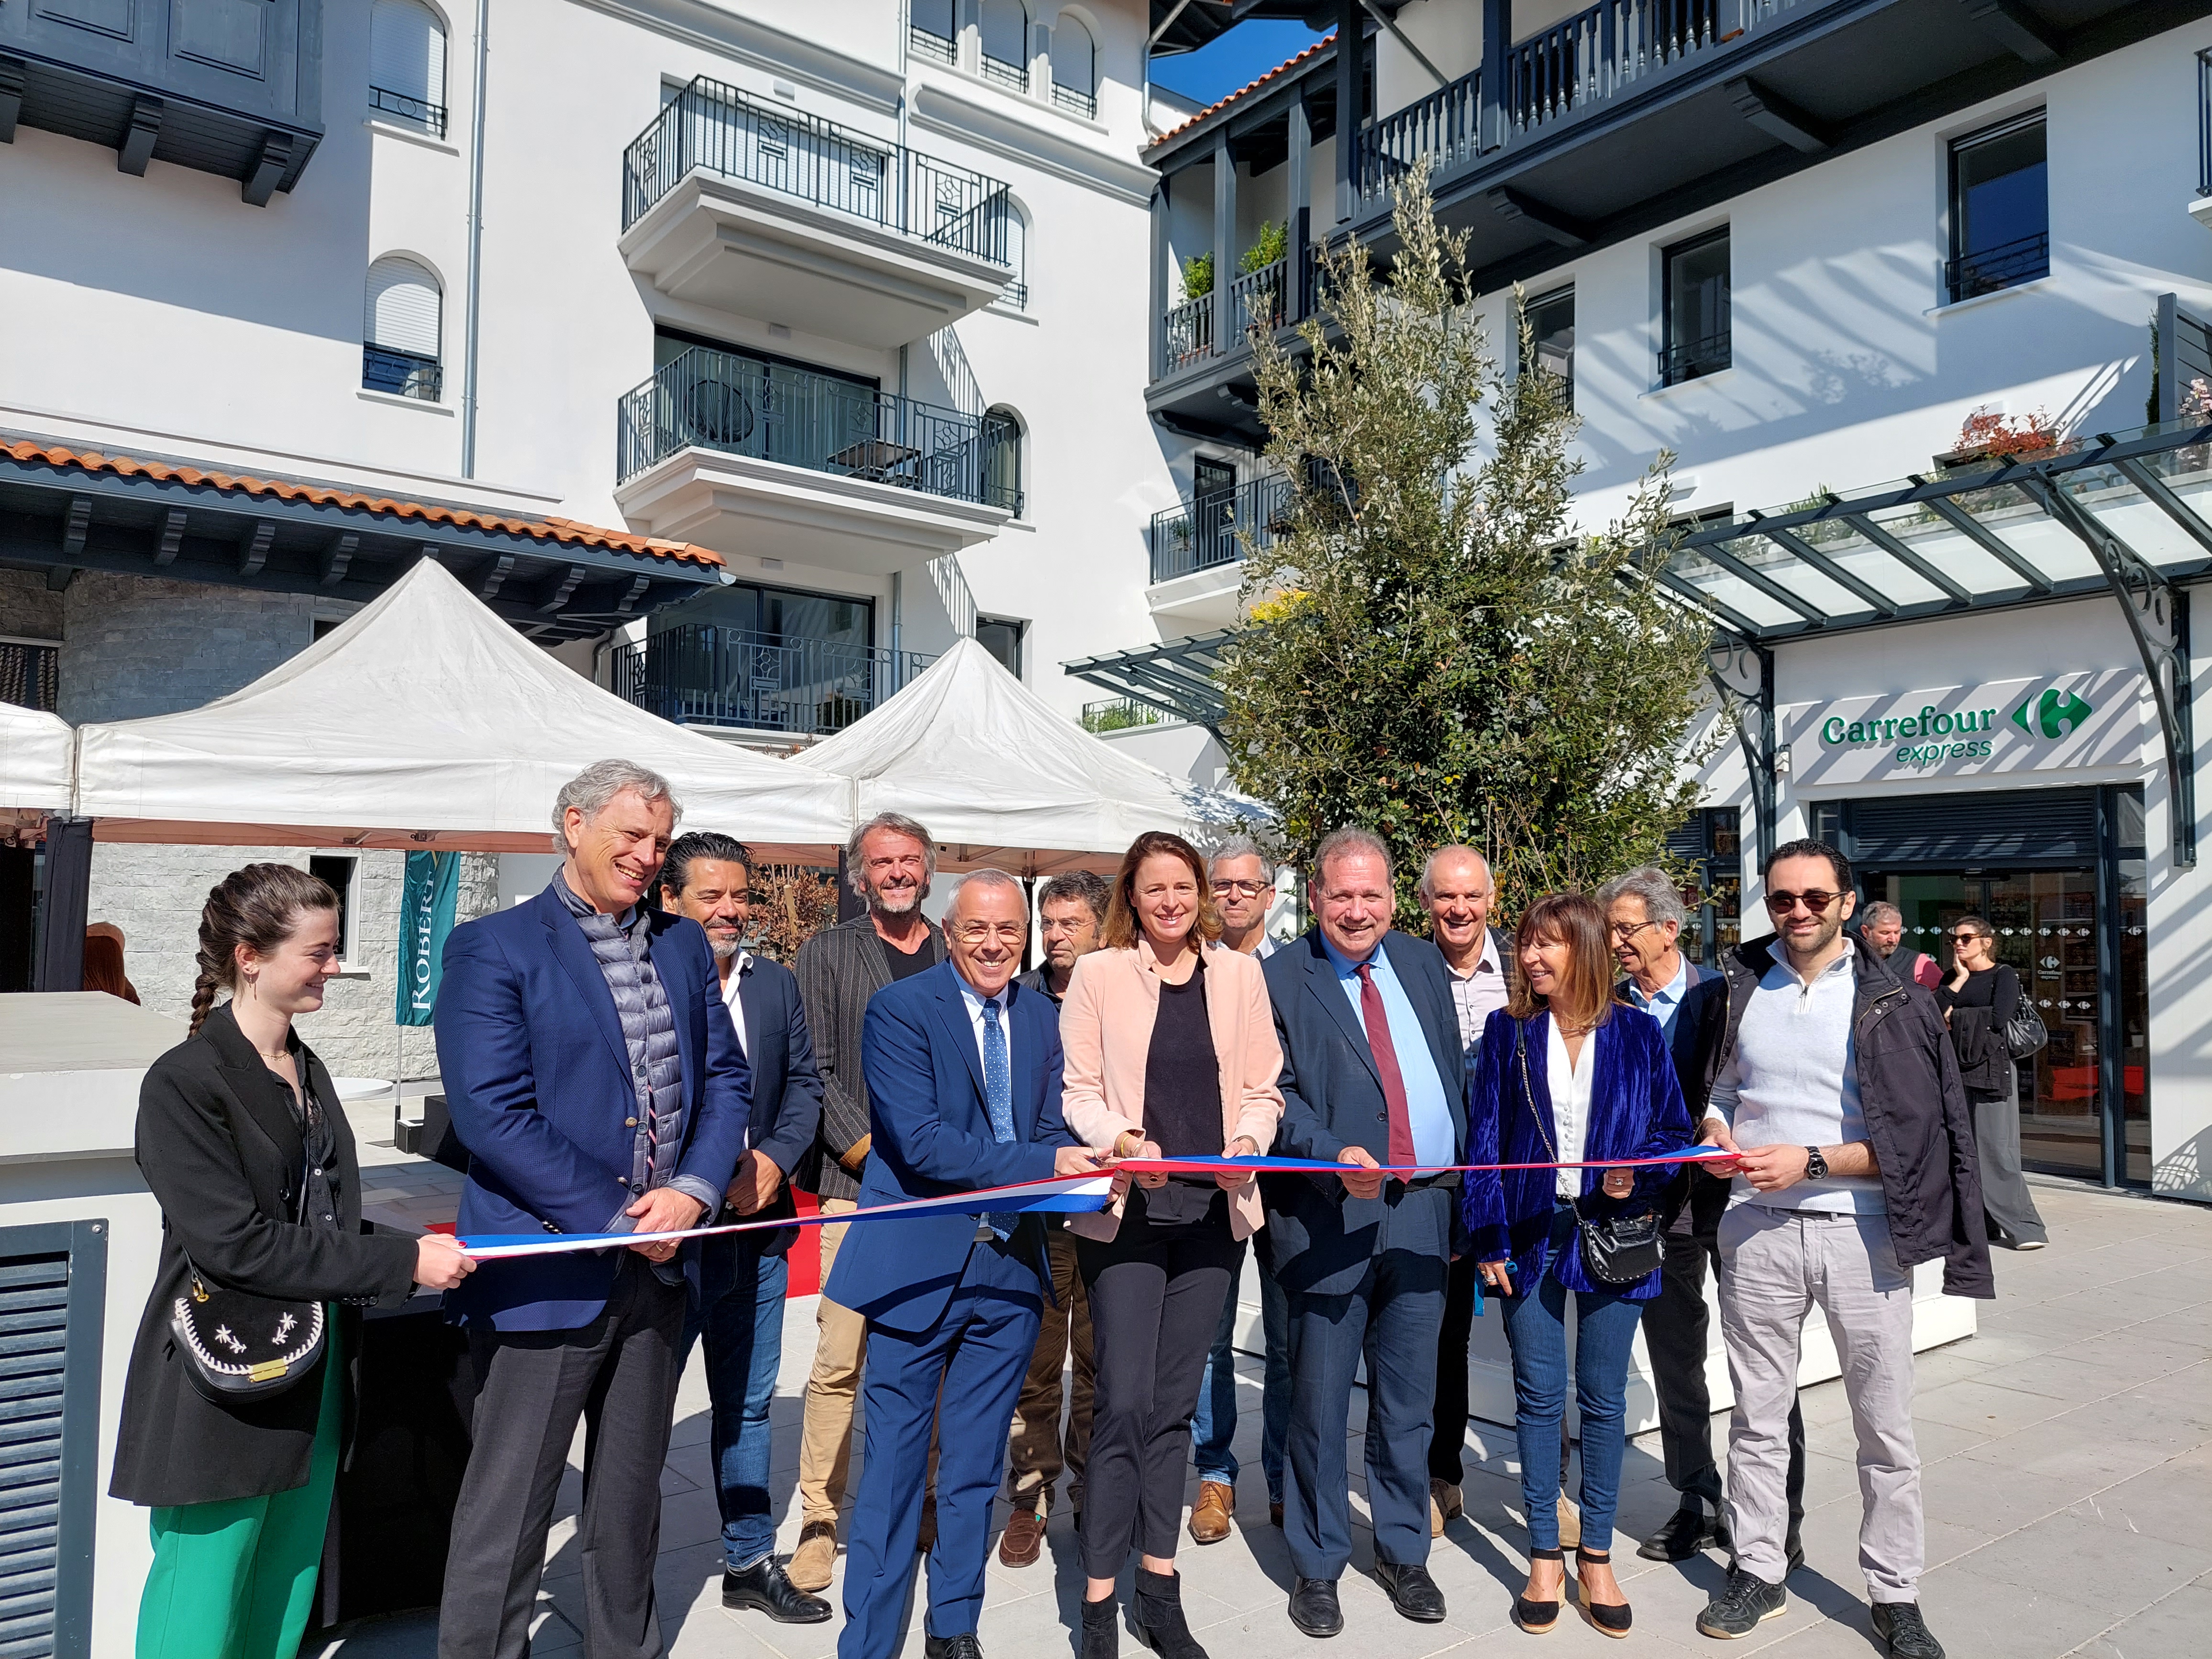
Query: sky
point(1240, 56)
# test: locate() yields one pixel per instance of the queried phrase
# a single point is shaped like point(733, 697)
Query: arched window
point(407, 63)
point(400, 329)
point(1002, 460)
point(1017, 256)
point(1074, 66)
point(933, 30)
point(1007, 44)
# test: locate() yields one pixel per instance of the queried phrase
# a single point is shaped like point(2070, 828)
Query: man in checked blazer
point(890, 862)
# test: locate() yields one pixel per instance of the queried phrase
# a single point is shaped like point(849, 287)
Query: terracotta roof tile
point(564, 532)
point(1292, 64)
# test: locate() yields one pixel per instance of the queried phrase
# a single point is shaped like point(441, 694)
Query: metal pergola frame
point(1175, 677)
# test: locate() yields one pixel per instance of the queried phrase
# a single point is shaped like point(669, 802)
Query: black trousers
point(1674, 1324)
point(618, 1373)
point(1155, 1296)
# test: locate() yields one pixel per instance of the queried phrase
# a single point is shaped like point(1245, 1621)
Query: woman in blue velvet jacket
point(1566, 1074)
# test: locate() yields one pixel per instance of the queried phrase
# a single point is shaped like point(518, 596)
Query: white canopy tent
point(34, 766)
point(999, 778)
point(425, 721)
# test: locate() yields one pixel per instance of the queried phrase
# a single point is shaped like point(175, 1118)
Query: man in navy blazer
point(1645, 912)
point(963, 1073)
point(742, 1277)
point(1373, 1073)
point(594, 1076)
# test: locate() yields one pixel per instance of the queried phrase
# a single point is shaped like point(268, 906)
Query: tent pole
point(66, 904)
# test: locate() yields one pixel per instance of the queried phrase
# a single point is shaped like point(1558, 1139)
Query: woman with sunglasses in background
point(1979, 997)
point(1567, 1075)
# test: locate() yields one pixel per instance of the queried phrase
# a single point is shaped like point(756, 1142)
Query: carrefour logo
point(2056, 713)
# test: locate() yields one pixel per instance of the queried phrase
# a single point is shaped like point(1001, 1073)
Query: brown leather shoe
point(1023, 1541)
point(1275, 1514)
point(1445, 1504)
point(815, 1558)
point(1213, 1517)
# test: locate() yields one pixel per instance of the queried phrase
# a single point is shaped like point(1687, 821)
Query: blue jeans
point(1213, 1424)
point(741, 1316)
point(1536, 1330)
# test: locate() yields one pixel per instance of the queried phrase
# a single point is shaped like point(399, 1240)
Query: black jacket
point(219, 1147)
point(1691, 1037)
point(839, 970)
point(787, 1097)
point(1916, 1112)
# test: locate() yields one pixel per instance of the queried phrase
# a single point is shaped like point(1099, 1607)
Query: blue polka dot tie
point(999, 1100)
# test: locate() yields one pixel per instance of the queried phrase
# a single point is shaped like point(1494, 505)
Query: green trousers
point(236, 1579)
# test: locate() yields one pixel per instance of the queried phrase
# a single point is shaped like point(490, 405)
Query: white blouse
point(1570, 1104)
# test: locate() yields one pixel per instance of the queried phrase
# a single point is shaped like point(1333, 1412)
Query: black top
point(904, 965)
point(1997, 988)
point(1183, 1095)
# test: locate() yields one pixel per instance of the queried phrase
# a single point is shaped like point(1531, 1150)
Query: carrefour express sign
point(2094, 718)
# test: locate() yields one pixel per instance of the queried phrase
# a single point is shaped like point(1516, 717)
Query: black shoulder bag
point(1620, 1251)
point(238, 1346)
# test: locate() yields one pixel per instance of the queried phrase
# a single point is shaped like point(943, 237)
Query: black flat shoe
point(1611, 1618)
point(1903, 1633)
point(963, 1646)
point(1411, 1590)
point(1314, 1607)
point(764, 1587)
point(1537, 1618)
point(1687, 1533)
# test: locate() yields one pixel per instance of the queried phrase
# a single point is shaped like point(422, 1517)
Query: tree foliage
point(1431, 652)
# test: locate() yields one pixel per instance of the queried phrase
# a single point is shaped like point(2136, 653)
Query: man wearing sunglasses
point(1838, 1096)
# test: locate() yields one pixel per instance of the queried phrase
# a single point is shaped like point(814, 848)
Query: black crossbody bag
point(1620, 1251)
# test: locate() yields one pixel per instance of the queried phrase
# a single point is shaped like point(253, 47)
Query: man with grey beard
point(743, 1278)
point(888, 863)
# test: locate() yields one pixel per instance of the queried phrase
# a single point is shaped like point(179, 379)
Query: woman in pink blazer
point(1171, 1052)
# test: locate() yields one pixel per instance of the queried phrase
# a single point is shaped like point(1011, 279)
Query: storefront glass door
point(2049, 929)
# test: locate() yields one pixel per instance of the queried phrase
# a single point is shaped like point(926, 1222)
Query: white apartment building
point(745, 355)
point(1799, 243)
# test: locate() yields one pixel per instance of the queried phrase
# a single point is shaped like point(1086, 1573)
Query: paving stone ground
point(2068, 1454)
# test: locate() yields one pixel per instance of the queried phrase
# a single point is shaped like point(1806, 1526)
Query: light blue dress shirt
point(1662, 1003)
point(1428, 1111)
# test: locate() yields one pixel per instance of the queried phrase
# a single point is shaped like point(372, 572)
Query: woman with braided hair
point(240, 1138)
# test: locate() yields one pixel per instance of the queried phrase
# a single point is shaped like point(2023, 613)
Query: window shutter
point(33, 1342)
point(407, 50)
point(403, 308)
point(2037, 826)
point(1074, 59)
point(1005, 32)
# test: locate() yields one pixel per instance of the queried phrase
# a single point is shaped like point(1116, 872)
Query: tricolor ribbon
point(1074, 1194)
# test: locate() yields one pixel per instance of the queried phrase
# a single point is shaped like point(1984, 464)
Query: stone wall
point(27, 609)
point(155, 894)
point(135, 646)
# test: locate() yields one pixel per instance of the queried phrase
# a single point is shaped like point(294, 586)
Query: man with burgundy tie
point(1373, 1073)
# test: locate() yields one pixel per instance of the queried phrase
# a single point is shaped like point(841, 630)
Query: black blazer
point(839, 970)
point(787, 1093)
point(218, 1146)
point(1323, 1237)
point(1692, 1040)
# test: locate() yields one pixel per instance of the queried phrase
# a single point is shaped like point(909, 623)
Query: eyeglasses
point(977, 932)
point(1625, 930)
point(1817, 902)
point(1249, 889)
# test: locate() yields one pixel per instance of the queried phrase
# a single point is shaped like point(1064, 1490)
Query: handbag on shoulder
point(1620, 1251)
point(238, 1346)
point(2024, 1033)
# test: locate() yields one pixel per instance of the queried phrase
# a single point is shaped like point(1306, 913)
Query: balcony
point(205, 84)
point(743, 455)
point(701, 675)
point(1198, 549)
point(743, 207)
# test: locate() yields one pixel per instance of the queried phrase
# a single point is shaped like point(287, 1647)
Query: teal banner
point(426, 916)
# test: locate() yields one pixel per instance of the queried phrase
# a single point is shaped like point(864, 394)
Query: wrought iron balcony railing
point(709, 400)
point(1000, 72)
point(1687, 360)
point(700, 674)
point(1119, 715)
point(1576, 63)
point(717, 129)
point(2006, 265)
point(402, 373)
point(1076, 102)
point(418, 112)
point(923, 43)
point(1219, 527)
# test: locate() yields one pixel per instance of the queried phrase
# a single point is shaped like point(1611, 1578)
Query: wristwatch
point(1816, 1167)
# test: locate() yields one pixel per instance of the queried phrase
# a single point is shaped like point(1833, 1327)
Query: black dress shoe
point(1412, 1591)
point(1687, 1533)
point(1313, 1606)
point(1904, 1631)
point(963, 1646)
point(764, 1587)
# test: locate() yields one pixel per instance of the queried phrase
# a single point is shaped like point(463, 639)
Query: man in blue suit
point(1690, 1002)
point(742, 1277)
point(963, 1073)
point(596, 1080)
point(1373, 1073)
